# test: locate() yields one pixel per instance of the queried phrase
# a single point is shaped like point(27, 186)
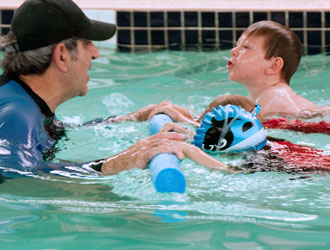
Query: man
point(48, 52)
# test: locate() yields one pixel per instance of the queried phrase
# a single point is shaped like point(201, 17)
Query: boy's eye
point(245, 47)
point(238, 43)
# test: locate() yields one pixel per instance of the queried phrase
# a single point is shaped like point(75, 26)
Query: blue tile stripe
point(220, 30)
point(206, 30)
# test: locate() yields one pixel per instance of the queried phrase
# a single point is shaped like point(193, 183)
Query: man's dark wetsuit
point(28, 129)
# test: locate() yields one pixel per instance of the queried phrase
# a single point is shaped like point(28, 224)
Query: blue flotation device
point(165, 168)
point(230, 128)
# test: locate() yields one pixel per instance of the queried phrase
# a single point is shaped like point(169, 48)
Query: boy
point(265, 58)
point(218, 133)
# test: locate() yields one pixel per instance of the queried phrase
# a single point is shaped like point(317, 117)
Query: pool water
point(264, 210)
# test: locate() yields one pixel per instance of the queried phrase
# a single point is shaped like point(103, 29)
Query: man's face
point(86, 51)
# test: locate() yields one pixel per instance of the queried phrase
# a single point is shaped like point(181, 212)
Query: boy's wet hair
point(280, 41)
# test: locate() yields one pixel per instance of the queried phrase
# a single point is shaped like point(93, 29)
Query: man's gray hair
point(31, 62)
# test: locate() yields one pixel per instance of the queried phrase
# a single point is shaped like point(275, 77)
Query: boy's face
point(247, 62)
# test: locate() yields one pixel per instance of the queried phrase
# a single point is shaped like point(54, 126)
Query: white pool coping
point(194, 5)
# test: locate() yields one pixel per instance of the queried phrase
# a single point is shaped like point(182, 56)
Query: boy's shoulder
point(284, 101)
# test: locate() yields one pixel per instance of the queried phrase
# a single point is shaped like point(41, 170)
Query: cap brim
point(98, 31)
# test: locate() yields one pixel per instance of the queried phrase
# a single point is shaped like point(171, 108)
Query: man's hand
point(139, 154)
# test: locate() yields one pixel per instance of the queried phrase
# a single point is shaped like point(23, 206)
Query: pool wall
point(209, 30)
point(194, 25)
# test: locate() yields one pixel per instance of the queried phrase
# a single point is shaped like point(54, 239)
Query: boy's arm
point(192, 152)
point(200, 157)
point(318, 111)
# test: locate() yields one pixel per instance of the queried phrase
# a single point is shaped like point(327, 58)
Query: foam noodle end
point(170, 180)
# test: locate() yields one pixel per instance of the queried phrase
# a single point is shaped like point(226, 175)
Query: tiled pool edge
point(188, 29)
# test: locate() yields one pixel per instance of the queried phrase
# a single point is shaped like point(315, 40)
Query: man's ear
point(61, 57)
point(275, 66)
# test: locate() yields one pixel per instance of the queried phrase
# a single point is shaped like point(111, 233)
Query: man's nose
point(94, 51)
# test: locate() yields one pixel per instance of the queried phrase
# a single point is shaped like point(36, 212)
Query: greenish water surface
point(265, 210)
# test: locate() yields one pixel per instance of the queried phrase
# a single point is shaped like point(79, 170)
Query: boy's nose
point(233, 51)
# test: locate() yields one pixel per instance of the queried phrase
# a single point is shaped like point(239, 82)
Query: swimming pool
point(265, 210)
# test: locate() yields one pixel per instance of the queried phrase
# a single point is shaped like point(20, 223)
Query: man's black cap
point(39, 23)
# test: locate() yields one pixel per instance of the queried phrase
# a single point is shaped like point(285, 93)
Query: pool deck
point(194, 5)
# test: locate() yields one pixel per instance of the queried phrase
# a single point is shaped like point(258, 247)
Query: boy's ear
point(61, 57)
point(276, 65)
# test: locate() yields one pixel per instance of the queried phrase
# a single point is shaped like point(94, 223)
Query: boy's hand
point(177, 113)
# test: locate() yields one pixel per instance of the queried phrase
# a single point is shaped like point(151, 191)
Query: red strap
point(304, 157)
point(297, 125)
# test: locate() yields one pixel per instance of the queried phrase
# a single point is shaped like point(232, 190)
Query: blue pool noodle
point(165, 168)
